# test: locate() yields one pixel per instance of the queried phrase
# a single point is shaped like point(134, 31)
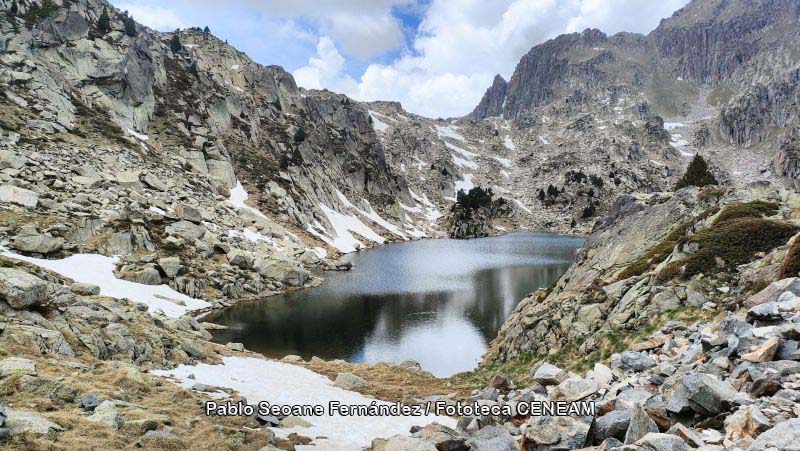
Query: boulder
point(24, 422)
point(748, 421)
point(492, 438)
point(349, 381)
point(152, 181)
point(661, 442)
point(84, 289)
point(633, 361)
point(774, 291)
point(784, 436)
point(612, 425)
point(186, 230)
point(767, 376)
point(442, 437)
point(37, 244)
point(542, 433)
point(547, 374)
point(19, 196)
point(21, 289)
point(12, 365)
point(575, 388)
point(146, 276)
point(403, 443)
point(640, 425)
point(170, 265)
point(765, 352)
point(106, 413)
point(708, 395)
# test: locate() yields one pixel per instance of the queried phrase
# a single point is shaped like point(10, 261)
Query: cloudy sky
point(437, 57)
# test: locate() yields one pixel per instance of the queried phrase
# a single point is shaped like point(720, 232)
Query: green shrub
point(103, 23)
point(175, 43)
point(735, 242)
point(37, 13)
point(756, 209)
point(697, 174)
point(656, 254)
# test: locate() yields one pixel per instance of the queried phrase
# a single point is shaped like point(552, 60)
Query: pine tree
point(175, 43)
point(14, 8)
point(207, 30)
point(103, 23)
point(130, 24)
point(697, 174)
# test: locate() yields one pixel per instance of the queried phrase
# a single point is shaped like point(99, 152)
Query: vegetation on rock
point(697, 174)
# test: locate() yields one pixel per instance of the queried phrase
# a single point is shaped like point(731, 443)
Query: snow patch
point(283, 384)
point(344, 226)
point(378, 124)
point(522, 206)
point(99, 270)
point(464, 163)
point(465, 184)
point(449, 132)
point(509, 143)
point(503, 161)
point(139, 136)
point(465, 153)
point(544, 140)
point(238, 196)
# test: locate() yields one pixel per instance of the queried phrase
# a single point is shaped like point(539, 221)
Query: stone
point(106, 413)
point(633, 361)
point(90, 402)
point(186, 230)
point(655, 441)
point(784, 436)
point(630, 397)
point(547, 374)
point(24, 422)
point(152, 181)
point(602, 374)
point(554, 433)
point(193, 348)
point(575, 388)
point(160, 439)
point(612, 425)
point(21, 289)
point(707, 394)
point(500, 382)
point(403, 443)
point(146, 276)
point(349, 381)
point(442, 437)
point(37, 244)
point(19, 196)
point(767, 376)
point(293, 422)
point(189, 213)
point(492, 438)
point(292, 359)
point(9, 159)
point(774, 291)
point(689, 436)
point(84, 289)
point(640, 425)
point(12, 365)
point(170, 265)
point(765, 352)
point(241, 259)
point(748, 421)
point(128, 179)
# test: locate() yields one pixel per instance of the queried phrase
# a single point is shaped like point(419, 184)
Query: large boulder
point(404, 443)
point(19, 196)
point(24, 422)
point(37, 244)
point(785, 436)
point(548, 374)
point(544, 433)
point(774, 291)
point(21, 289)
point(492, 438)
point(708, 395)
point(349, 381)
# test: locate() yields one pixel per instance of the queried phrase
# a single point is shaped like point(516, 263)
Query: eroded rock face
point(493, 100)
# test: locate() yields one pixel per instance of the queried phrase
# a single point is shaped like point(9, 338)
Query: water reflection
point(438, 302)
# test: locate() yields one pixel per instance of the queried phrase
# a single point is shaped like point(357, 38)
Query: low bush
point(739, 210)
point(791, 263)
point(656, 254)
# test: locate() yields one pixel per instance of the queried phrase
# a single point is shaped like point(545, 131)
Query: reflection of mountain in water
point(437, 302)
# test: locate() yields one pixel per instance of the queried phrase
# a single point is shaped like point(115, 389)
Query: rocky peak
point(493, 100)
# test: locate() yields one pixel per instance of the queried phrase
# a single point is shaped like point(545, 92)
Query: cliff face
point(493, 100)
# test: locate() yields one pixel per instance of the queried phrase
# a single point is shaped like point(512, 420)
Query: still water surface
point(439, 302)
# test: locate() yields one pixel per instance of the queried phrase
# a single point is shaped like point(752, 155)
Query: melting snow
point(509, 143)
point(449, 132)
point(465, 184)
point(543, 140)
point(522, 206)
point(342, 238)
point(283, 384)
point(673, 125)
point(139, 136)
point(464, 163)
point(238, 196)
point(464, 152)
point(378, 124)
point(99, 270)
point(504, 174)
point(235, 67)
point(504, 161)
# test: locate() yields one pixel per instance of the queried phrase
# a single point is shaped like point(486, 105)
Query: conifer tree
point(103, 23)
point(697, 174)
point(175, 43)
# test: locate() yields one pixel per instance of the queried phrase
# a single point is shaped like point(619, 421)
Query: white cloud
point(325, 70)
point(461, 44)
point(155, 17)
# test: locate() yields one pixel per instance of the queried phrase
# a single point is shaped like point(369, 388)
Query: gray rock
point(767, 376)
point(3, 415)
point(186, 230)
point(24, 422)
point(543, 433)
point(774, 291)
point(707, 394)
point(576, 388)
point(84, 289)
point(547, 374)
point(404, 443)
point(12, 365)
point(106, 413)
point(21, 289)
point(146, 276)
point(170, 265)
point(612, 425)
point(235, 347)
point(784, 436)
point(640, 425)
point(152, 181)
point(633, 361)
point(442, 437)
point(661, 442)
point(19, 196)
point(37, 244)
point(90, 402)
point(492, 438)
point(349, 381)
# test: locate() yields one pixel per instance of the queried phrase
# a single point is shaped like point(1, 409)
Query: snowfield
point(283, 384)
point(99, 270)
point(238, 196)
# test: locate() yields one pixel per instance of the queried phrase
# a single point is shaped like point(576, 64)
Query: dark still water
point(438, 302)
